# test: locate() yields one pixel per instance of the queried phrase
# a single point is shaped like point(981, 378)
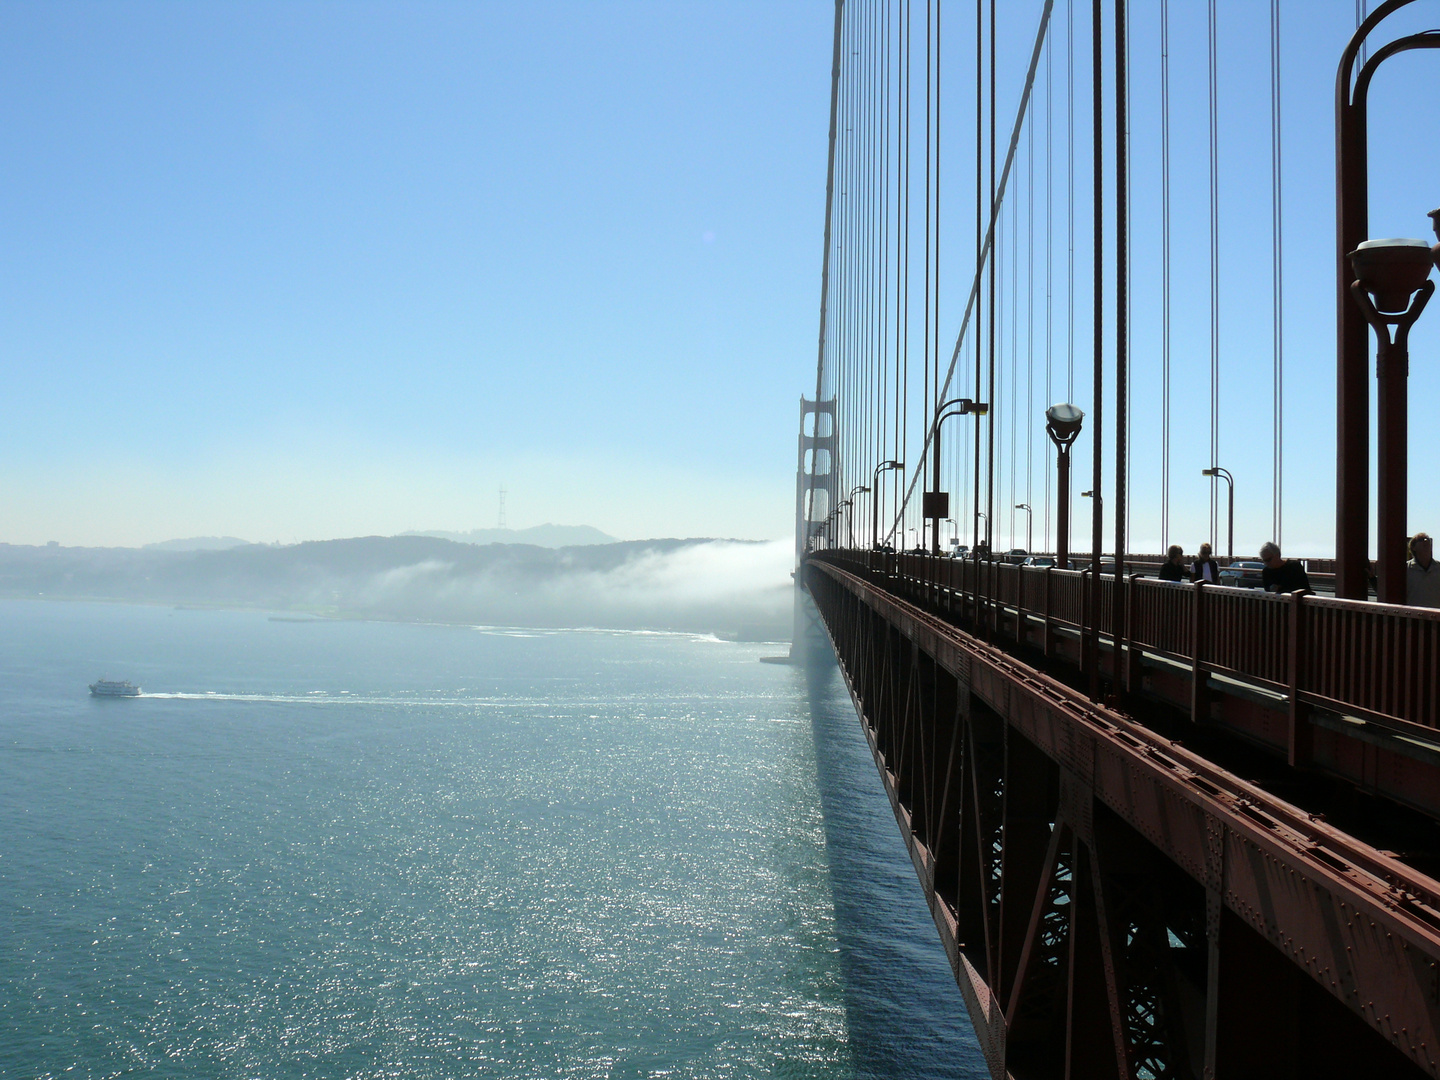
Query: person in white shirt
point(1422, 576)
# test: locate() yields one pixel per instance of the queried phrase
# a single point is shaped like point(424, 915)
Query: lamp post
point(858, 489)
point(954, 532)
point(1224, 474)
point(1392, 286)
point(1062, 424)
point(1029, 523)
point(845, 504)
point(875, 500)
point(937, 502)
point(1352, 441)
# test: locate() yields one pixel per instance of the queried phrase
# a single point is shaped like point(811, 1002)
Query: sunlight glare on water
point(367, 849)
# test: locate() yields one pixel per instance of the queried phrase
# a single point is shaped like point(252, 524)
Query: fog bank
point(732, 588)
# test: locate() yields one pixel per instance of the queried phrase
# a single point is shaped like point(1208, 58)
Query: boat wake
point(322, 697)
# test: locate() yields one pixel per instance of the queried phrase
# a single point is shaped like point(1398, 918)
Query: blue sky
point(295, 271)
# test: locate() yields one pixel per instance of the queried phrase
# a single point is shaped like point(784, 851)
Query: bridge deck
point(1113, 902)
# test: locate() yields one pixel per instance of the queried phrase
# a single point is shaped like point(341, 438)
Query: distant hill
point(198, 543)
point(727, 587)
point(546, 536)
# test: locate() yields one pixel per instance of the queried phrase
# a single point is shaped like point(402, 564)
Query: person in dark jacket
point(1174, 568)
point(1205, 568)
point(1281, 575)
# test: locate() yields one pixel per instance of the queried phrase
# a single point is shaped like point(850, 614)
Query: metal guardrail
point(1380, 662)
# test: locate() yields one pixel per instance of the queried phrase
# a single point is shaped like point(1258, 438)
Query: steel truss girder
point(1213, 929)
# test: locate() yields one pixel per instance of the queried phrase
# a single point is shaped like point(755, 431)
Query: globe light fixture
point(1062, 424)
point(1392, 286)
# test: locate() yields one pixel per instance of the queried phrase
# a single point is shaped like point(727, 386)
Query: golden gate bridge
point(1165, 829)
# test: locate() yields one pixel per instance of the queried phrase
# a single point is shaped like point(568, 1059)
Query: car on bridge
point(1038, 560)
point(1243, 574)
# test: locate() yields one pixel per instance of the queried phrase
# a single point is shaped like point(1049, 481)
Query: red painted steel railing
point(1377, 661)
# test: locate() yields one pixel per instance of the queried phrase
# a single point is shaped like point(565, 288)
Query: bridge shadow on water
point(906, 1016)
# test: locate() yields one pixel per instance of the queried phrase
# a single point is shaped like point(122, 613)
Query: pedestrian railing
point(1379, 662)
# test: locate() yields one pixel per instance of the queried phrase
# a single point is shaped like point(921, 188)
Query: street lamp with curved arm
point(938, 507)
point(839, 508)
point(858, 489)
point(1352, 198)
point(1029, 527)
point(875, 499)
point(1224, 474)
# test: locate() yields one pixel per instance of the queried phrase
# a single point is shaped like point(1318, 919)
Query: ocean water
point(343, 849)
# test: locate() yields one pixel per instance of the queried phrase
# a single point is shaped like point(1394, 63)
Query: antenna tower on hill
point(501, 523)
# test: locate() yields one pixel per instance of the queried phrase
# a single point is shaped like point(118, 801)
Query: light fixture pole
point(875, 500)
point(858, 489)
point(937, 502)
point(1224, 474)
point(1392, 286)
point(1062, 424)
point(1029, 526)
point(1352, 199)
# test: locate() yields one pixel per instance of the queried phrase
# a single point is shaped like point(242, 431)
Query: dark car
point(1016, 556)
point(1243, 574)
point(1039, 560)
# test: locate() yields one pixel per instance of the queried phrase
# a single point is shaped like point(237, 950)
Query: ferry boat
point(106, 688)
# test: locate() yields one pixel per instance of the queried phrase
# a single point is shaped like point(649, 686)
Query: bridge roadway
point(1220, 871)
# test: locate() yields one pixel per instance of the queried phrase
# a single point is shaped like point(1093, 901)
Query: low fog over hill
point(733, 588)
point(547, 535)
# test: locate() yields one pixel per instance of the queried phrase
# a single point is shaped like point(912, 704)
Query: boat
point(107, 688)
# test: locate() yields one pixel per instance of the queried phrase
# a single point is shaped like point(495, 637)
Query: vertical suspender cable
point(1049, 247)
point(1277, 276)
point(990, 457)
point(902, 212)
point(1164, 274)
point(1014, 354)
point(905, 390)
point(1129, 293)
point(871, 294)
point(1097, 442)
point(979, 230)
point(883, 321)
point(866, 342)
point(928, 408)
point(1004, 176)
point(1070, 212)
point(1214, 285)
point(1122, 311)
point(935, 336)
point(1029, 329)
